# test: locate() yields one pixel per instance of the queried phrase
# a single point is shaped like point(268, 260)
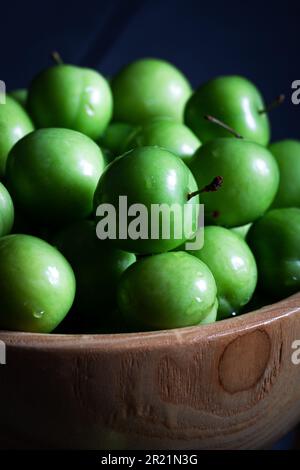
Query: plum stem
point(56, 57)
point(222, 124)
point(274, 104)
point(213, 186)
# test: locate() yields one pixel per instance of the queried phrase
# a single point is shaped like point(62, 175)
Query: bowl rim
point(287, 307)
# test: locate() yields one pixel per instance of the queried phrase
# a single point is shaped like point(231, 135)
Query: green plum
point(37, 285)
point(148, 176)
point(287, 155)
point(14, 124)
point(20, 96)
point(274, 240)
point(149, 88)
point(233, 266)
point(71, 97)
point(169, 134)
point(234, 100)
point(258, 301)
point(116, 136)
point(6, 211)
point(52, 175)
point(242, 230)
point(169, 290)
point(250, 180)
point(97, 266)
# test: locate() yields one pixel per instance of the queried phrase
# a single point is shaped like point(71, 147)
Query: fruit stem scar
point(213, 186)
point(274, 104)
point(222, 124)
point(56, 57)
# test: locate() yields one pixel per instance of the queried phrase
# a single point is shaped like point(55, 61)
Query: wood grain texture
point(229, 385)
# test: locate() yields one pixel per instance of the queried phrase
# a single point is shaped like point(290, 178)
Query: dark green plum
point(37, 285)
point(250, 180)
point(52, 175)
point(233, 266)
point(274, 240)
point(169, 134)
point(169, 290)
point(14, 124)
point(287, 155)
point(116, 136)
point(149, 88)
point(71, 97)
point(20, 95)
point(242, 230)
point(149, 176)
point(6, 211)
point(97, 266)
point(235, 101)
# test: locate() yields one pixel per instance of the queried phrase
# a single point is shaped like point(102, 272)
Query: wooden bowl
point(229, 385)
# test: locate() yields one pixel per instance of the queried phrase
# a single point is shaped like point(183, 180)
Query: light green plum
point(37, 285)
point(14, 124)
point(169, 134)
point(250, 180)
point(233, 266)
point(169, 290)
point(71, 97)
point(150, 177)
point(149, 88)
point(52, 175)
point(235, 101)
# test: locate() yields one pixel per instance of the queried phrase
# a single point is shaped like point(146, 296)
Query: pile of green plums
point(74, 143)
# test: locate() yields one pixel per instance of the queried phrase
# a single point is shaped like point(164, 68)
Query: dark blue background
point(255, 38)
